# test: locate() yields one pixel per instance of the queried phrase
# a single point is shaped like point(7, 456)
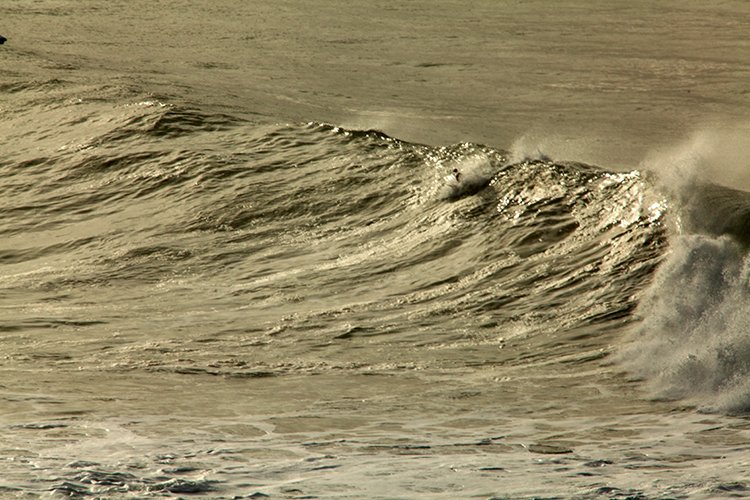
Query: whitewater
point(236, 260)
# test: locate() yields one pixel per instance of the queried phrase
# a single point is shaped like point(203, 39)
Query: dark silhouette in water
point(2, 39)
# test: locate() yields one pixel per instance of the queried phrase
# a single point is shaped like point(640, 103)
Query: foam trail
point(475, 173)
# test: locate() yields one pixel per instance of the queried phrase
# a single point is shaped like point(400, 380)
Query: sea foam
point(693, 342)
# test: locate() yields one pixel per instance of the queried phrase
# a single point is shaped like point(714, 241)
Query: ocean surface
point(236, 262)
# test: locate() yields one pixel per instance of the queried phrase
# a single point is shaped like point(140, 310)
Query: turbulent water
point(206, 293)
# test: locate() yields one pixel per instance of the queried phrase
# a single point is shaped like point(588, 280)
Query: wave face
point(311, 237)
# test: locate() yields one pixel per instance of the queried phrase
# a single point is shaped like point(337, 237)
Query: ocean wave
point(326, 235)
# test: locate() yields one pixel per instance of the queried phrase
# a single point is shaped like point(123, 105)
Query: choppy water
point(228, 270)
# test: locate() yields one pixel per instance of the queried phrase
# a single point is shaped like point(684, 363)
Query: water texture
point(362, 250)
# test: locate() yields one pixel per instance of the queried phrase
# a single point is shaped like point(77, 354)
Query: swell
point(309, 235)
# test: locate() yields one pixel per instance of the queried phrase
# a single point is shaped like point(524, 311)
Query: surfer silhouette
point(456, 174)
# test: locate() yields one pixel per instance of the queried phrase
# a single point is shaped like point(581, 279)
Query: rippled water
point(235, 261)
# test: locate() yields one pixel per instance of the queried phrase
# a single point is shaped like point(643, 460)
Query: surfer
point(2, 39)
point(457, 174)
